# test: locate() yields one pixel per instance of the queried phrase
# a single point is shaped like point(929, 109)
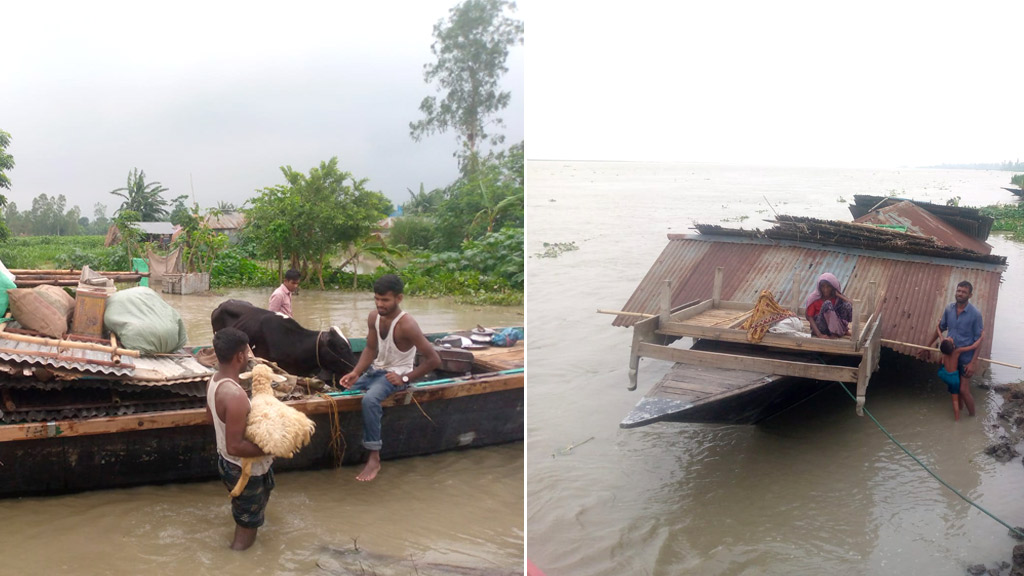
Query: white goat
point(278, 429)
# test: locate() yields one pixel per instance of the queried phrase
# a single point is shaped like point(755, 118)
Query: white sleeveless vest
point(259, 466)
point(389, 357)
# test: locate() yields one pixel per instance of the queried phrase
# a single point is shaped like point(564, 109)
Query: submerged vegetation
point(1008, 218)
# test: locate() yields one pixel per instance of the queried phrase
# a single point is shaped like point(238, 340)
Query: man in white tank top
point(392, 342)
point(227, 405)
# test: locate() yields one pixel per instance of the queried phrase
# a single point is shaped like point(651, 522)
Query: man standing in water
point(281, 299)
point(227, 405)
point(966, 327)
point(392, 341)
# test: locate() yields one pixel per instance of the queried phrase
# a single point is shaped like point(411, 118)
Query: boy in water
point(949, 371)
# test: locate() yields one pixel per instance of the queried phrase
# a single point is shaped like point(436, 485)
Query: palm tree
point(142, 197)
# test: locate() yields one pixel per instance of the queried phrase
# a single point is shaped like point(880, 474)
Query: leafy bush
point(1008, 218)
point(489, 270)
point(232, 269)
point(415, 232)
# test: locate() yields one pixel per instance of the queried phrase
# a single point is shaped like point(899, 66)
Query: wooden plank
point(716, 289)
point(700, 387)
point(840, 346)
point(196, 417)
point(691, 312)
point(754, 364)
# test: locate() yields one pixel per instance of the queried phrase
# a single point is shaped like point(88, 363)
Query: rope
point(413, 396)
point(336, 433)
point(317, 348)
point(928, 470)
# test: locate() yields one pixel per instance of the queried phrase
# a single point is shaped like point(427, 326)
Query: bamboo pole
point(621, 313)
point(70, 272)
point(114, 356)
point(919, 347)
point(69, 344)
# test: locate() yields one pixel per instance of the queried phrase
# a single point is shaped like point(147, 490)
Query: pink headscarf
point(816, 294)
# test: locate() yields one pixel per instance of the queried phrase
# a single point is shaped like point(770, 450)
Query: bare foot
point(371, 469)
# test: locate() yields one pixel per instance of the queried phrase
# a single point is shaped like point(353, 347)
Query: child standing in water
point(949, 371)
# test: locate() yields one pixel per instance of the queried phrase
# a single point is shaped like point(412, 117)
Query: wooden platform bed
point(710, 379)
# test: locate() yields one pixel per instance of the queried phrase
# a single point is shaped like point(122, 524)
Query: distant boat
point(1017, 191)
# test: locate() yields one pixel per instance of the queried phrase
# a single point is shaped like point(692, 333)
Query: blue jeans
point(377, 388)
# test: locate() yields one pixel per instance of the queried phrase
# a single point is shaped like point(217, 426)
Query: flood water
point(814, 490)
point(456, 512)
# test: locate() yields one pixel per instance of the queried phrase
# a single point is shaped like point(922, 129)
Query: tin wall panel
point(914, 291)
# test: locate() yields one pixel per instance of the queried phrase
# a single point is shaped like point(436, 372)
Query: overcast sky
point(870, 84)
point(221, 94)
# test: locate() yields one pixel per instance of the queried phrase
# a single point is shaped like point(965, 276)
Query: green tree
point(132, 237)
point(310, 217)
point(1017, 180)
point(482, 201)
point(6, 164)
point(100, 223)
point(471, 49)
point(144, 198)
point(200, 244)
point(422, 202)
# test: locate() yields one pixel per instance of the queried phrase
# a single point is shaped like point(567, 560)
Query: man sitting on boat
point(392, 341)
point(227, 405)
point(829, 311)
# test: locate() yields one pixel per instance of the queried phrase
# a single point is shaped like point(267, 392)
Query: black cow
point(282, 340)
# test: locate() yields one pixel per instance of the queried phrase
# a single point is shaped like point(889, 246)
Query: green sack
point(5, 285)
point(144, 322)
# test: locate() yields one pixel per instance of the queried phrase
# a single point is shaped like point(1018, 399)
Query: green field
point(57, 252)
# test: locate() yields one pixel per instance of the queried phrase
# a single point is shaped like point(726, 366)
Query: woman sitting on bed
point(829, 312)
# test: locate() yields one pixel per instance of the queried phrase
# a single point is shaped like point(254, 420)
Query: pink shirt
point(281, 301)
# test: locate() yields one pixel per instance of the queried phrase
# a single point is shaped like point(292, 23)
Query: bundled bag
point(46, 309)
point(507, 337)
point(144, 322)
point(6, 283)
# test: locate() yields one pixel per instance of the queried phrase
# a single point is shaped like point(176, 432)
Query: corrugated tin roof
point(916, 287)
point(86, 361)
point(226, 221)
point(968, 220)
point(923, 223)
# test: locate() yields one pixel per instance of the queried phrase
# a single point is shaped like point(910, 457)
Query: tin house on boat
point(899, 261)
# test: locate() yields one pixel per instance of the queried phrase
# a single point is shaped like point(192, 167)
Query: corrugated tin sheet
point(916, 287)
point(923, 223)
point(86, 361)
point(226, 221)
point(968, 220)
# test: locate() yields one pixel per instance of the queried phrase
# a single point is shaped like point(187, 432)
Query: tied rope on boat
point(928, 470)
point(765, 313)
point(338, 449)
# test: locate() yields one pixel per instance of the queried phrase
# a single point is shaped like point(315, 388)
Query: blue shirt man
point(965, 326)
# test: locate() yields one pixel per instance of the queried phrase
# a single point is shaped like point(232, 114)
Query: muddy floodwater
point(813, 490)
point(457, 512)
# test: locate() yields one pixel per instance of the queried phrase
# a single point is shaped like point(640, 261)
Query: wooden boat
point(92, 427)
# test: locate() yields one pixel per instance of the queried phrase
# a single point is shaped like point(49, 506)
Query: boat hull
point(457, 416)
